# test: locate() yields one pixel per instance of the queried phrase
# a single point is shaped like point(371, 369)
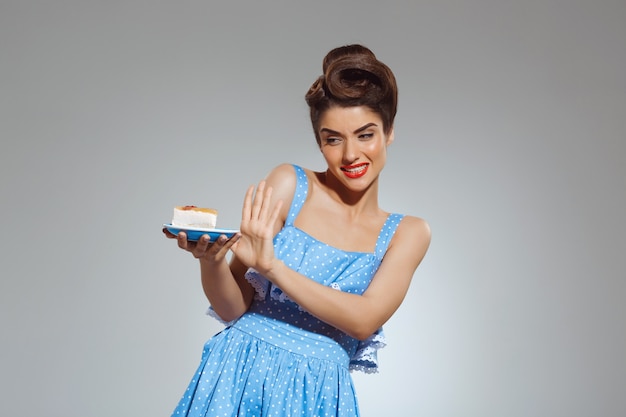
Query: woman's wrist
point(275, 271)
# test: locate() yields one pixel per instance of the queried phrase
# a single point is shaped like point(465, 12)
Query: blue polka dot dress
point(278, 360)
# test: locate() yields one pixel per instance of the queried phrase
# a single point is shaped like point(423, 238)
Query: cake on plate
point(192, 216)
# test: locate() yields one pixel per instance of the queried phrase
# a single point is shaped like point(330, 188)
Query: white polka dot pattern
point(278, 360)
point(262, 367)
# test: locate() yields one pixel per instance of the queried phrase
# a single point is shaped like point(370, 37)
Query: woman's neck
point(357, 202)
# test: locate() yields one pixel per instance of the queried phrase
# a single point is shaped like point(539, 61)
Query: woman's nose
point(350, 151)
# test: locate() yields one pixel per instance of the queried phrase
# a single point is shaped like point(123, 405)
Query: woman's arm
point(224, 284)
point(360, 315)
point(356, 315)
point(226, 288)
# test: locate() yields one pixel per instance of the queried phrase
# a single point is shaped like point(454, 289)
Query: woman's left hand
point(255, 248)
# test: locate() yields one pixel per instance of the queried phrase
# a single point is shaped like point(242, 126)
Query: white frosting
point(194, 218)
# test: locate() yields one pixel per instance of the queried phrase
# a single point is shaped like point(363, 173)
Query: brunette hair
point(353, 76)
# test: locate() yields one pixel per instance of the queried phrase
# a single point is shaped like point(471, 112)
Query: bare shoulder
point(282, 179)
point(414, 225)
point(413, 234)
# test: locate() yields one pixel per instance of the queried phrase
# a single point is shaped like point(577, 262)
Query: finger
point(201, 247)
point(224, 244)
point(258, 200)
point(246, 211)
point(182, 240)
point(236, 239)
point(233, 239)
point(266, 204)
point(203, 244)
point(168, 234)
point(276, 212)
point(220, 242)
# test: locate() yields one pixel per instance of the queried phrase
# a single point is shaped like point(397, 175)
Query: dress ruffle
point(262, 286)
point(212, 313)
point(279, 360)
point(364, 359)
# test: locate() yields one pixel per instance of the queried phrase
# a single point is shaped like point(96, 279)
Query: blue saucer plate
point(194, 233)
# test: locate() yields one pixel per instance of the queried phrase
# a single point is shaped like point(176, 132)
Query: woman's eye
point(332, 141)
point(366, 136)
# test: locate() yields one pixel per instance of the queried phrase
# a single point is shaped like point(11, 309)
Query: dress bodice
point(342, 270)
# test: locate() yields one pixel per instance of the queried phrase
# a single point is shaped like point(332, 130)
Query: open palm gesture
point(256, 247)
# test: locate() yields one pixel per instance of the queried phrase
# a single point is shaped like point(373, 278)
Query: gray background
point(510, 141)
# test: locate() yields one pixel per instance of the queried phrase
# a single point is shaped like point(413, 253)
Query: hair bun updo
point(353, 76)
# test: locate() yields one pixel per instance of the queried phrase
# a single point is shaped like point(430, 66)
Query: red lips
point(355, 171)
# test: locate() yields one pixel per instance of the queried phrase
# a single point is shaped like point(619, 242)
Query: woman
point(318, 266)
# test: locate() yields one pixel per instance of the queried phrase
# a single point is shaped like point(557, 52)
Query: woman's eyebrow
point(333, 132)
point(362, 128)
point(327, 130)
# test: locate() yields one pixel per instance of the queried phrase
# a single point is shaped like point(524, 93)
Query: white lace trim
point(365, 358)
point(278, 295)
point(212, 313)
point(363, 368)
point(258, 282)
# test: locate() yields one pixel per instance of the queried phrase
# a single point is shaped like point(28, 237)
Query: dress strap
point(299, 196)
point(386, 233)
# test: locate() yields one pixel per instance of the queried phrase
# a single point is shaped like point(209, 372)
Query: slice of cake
point(192, 216)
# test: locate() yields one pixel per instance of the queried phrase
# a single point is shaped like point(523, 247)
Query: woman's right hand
point(204, 249)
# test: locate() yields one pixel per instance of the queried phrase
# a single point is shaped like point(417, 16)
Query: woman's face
point(354, 145)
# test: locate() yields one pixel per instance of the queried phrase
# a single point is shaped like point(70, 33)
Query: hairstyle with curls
point(353, 76)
